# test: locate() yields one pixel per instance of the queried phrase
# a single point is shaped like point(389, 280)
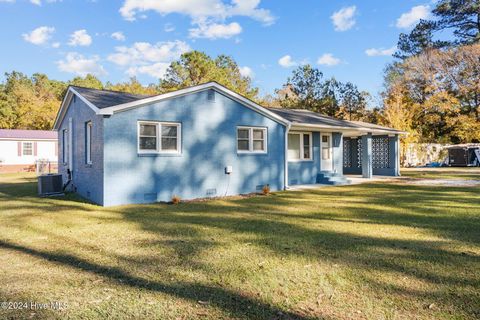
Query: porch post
point(367, 170)
point(285, 160)
point(337, 145)
point(396, 150)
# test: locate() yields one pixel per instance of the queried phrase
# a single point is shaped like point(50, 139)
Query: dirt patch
point(443, 182)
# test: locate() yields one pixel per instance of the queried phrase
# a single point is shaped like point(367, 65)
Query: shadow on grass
point(452, 214)
point(233, 303)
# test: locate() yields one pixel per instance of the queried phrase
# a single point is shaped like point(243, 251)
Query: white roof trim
point(88, 103)
point(66, 103)
point(305, 126)
point(210, 85)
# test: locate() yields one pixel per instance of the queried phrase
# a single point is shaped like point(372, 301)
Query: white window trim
point(301, 134)
point(158, 149)
point(64, 149)
point(88, 141)
point(250, 140)
point(23, 149)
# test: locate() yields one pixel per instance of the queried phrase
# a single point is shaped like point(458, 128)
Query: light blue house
point(206, 141)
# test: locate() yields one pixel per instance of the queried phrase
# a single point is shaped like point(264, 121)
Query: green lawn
point(443, 173)
point(381, 250)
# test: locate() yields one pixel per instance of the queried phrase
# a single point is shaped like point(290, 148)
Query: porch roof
point(307, 118)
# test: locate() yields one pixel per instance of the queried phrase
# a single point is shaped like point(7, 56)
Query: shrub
point(266, 190)
point(176, 199)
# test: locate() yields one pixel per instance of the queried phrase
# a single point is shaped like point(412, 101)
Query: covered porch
point(323, 150)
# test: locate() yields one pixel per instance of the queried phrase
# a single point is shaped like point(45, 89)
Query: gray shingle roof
point(306, 117)
point(106, 98)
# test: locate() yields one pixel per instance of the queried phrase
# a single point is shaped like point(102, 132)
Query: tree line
point(431, 90)
point(32, 102)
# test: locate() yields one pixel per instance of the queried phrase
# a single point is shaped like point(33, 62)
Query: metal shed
point(464, 155)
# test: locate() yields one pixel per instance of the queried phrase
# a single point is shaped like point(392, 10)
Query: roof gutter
point(304, 126)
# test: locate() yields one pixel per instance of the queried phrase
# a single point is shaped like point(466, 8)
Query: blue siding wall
point(305, 172)
point(87, 178)
point(208, 146)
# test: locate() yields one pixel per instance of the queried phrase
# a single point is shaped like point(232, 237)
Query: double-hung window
point(88, 142)
point(159, 137)
point(251, 140)
point(27, 148)
point(300, 146)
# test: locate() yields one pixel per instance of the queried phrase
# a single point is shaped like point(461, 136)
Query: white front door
point(326, 152)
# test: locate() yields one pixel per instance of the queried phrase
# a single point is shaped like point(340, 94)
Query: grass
point(444, 173)
point(373, 251)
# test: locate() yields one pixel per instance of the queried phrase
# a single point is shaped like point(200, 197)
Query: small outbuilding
point(20, 150)
point(464, 155)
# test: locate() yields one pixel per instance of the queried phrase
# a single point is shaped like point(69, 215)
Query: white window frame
point(23, 149)
point(250, 140)
point(302, 146)
point(88, 142)
point(64, 146)
point(158, 149)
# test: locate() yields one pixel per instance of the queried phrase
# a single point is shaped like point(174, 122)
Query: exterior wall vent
point(211, 95)
point(150, 196)
point(211, 192)
point(260, 187)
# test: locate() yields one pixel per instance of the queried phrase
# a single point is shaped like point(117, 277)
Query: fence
point(45, 167)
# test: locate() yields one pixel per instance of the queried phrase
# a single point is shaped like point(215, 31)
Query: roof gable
point(104, 102)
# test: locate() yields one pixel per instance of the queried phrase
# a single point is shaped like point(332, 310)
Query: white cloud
point(246, 72)
point(409, 19)
point(80, 38)
point(147, 58)
point(207, 16)
point(344, 19)
point(80, 65)
point(328, 60)
point(215, 31)
point(56, 45)
point(39, 2)
point(374, 52)
point(198, 9)
point(168, 27)
point(35, 2)
point(118, 36)
point(40, 35)
point(286, 61)
point(156, 70)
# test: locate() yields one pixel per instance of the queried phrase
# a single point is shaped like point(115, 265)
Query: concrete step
point(331, 178)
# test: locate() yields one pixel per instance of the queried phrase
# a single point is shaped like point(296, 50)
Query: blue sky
point(350, 40)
